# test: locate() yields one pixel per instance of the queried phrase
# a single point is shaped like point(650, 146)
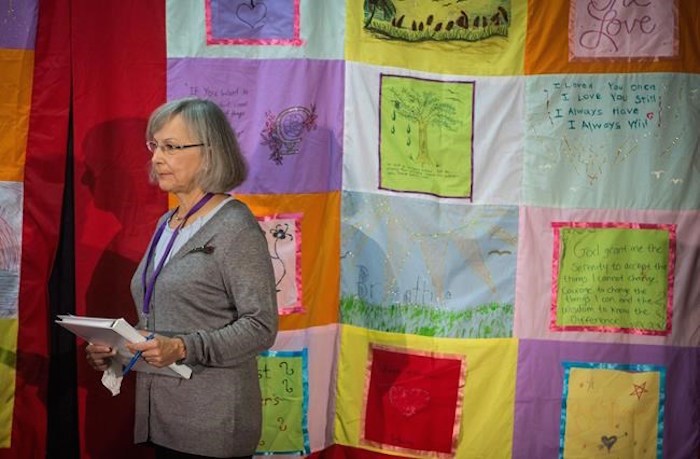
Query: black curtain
point(62, 399)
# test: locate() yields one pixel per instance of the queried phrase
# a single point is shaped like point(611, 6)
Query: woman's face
point(176, 169)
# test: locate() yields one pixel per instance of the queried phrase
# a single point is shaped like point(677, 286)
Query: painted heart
point(608, 442)
point(251, 14)
point(408, 401)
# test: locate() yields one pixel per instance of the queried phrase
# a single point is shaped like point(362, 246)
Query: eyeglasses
point(169, 147)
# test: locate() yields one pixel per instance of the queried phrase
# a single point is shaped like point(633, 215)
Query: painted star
point(639, 389)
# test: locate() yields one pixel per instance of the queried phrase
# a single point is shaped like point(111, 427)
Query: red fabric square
point(413, 400)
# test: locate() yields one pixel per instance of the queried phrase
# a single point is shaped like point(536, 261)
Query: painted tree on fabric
point(387, 8)
point(425, 109)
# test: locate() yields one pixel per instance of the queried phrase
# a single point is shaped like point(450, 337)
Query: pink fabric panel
point(533, 290)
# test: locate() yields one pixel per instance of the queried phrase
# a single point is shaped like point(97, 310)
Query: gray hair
point(223, 164)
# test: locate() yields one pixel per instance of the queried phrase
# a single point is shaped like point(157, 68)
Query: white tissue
point(112, 377)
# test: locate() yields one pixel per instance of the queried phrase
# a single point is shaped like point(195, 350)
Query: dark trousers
point(166, 453)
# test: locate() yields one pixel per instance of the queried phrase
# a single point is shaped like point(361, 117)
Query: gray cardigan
point(222, 302)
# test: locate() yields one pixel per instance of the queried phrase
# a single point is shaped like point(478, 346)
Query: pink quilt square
point(413, 401)
point(623, 29)
point(283, 234)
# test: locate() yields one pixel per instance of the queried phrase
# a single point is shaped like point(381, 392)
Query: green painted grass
point(457, 33)
point(493, 320)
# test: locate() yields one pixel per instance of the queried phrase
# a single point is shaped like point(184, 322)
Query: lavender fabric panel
point(288, 115)
point(540, 381)
point(18, 24)
point(272, 19)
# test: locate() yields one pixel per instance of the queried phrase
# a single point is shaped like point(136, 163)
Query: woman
point(206, 288)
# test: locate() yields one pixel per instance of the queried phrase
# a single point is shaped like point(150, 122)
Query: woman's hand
point(160, 351)
point(99, 357)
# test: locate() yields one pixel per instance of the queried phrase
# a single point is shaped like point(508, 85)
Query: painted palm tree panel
point(426, 136)
point(437, 20)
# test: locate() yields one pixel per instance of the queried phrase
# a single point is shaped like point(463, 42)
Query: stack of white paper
point(115, 333)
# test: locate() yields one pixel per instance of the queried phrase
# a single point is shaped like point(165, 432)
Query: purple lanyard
point(148, 291)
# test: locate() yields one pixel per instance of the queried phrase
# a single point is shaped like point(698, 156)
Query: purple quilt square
point(252, 22)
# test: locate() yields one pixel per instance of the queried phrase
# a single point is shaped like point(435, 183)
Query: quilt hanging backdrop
point(597, 162)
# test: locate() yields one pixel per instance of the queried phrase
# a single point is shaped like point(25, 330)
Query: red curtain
point(118, 65)
point(107, 59)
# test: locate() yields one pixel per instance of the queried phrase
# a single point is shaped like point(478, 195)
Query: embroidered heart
point(608, 442)
point(408, 401)
point(251, 14)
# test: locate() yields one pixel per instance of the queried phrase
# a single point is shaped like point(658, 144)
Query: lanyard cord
point(150, 284)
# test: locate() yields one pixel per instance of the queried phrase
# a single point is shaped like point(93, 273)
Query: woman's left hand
point(160, 351)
